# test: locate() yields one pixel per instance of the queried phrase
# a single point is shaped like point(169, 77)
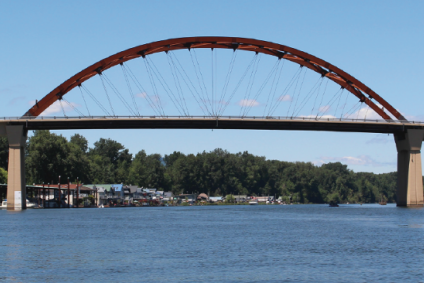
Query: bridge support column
point(16, 187)
point(410, 180)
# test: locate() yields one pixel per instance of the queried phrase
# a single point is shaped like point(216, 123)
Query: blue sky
point(43, 43)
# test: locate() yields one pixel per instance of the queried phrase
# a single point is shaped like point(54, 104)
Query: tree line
point(218, 172)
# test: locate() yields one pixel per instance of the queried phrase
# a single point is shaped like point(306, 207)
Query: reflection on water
point(290, 243)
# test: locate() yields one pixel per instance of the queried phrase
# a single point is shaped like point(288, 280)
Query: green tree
point(47, 157)
point(3, 176)
point(109, 162)
point(147, 171)
point(4, 152)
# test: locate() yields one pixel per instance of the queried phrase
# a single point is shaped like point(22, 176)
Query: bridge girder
point(299, 124)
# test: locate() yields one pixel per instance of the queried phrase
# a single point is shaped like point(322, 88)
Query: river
point(269, 243)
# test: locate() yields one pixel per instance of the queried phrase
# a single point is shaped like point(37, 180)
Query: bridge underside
point(213, 123)
point(408, 138)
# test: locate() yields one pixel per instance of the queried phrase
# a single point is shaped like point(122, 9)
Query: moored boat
point(333, 204)
point(28, 204)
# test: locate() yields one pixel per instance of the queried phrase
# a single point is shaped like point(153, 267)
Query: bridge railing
point(283, 118)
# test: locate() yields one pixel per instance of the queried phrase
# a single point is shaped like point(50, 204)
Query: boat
point(28, 204)
point(253, 202)
point(333, 204)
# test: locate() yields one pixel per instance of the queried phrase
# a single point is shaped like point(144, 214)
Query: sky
point(44, 43)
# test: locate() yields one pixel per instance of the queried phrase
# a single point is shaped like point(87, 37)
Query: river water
point(270, 243)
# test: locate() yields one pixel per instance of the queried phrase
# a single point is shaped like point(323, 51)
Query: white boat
point(28, 204)
point(253, 202)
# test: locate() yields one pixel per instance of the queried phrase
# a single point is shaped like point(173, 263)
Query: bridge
point(216, 77)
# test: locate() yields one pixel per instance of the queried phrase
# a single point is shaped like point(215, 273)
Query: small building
point(264, 198)
point(216, 199)
point(191, 198)
point(168, 196)
point(203, 197)
point(240, 198)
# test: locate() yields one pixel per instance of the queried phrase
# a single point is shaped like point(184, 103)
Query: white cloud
point(155, 98)
point(364, 113)
point(368, 113)
point(324, 109)
point(363, 160)
point(285, 98)
point(248, 103)
point(56, 108)
point(142, 95)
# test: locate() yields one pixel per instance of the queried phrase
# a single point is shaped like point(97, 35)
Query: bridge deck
point(250, 123)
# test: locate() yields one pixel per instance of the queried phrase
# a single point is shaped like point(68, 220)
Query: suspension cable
point(104, 87)
point(284, 93)
point(240, 81)
point(261, 88)
point(250, 85)
point(140, 87)
point(274, 85)
point(95, 99)
point(226, 82)
point(165, 87)
point(153, 84)
point(344, 105)
point(338, 103)
point(330, 102)
point(73, 107)
point(199, 76)
point(61, 106)
point(322, 97)
point(177, 82)
point(299, 92)
point(79, 87)
point(190, 86)
point(296, 82)
point(306, 98)
point(124, 71)
point(118, 94)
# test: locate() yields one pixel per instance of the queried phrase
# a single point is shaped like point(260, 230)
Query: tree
point(47, 157)
point(80, 141)
point(147, 171)
point(109, 162)
point(4, 152)
point(3, 176)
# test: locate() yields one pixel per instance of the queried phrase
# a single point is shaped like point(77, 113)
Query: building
point(216, 199)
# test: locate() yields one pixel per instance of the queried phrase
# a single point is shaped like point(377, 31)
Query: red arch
point(356, 87)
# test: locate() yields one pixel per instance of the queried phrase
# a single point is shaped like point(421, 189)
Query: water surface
point(273, 243)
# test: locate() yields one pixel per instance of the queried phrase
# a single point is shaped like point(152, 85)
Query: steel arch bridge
point(323, 68)
point(408, 136)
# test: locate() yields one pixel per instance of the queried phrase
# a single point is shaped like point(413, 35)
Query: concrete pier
point(16, 190)
point(410, 182)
